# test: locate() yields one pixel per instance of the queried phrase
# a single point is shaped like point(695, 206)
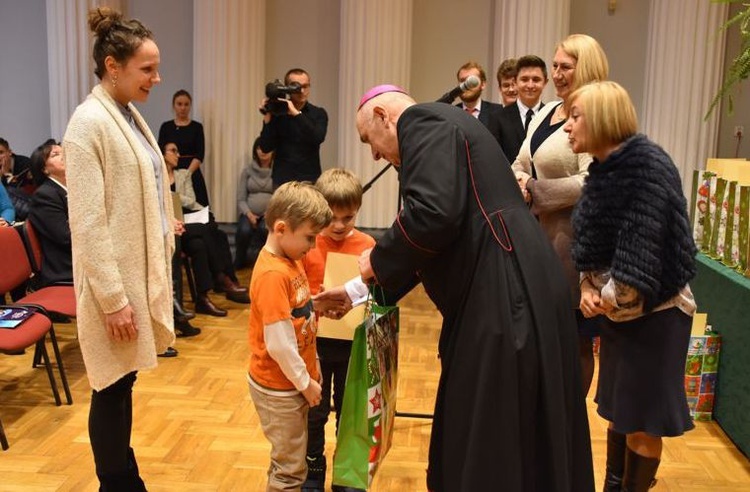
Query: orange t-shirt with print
point(315, 259)
point(280, 291)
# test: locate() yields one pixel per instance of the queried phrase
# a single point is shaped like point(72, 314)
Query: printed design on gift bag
point(694, 365)
point(701, 368)
point(692, 385)
point(708, 383)
point(731, 243)
point(382, 350)
point(743, 228)
point(718, 219)
point(369, 408)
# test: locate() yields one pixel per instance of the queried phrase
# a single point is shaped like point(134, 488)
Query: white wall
point(447, 34)
point(305, 34)
point(727, 147)
point(623, 35)
point(24, 86)
point(171, 21)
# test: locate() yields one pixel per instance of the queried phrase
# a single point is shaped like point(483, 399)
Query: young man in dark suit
point(515, 118)
point(488, 113)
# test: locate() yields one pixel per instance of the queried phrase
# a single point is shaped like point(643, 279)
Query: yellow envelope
point(340, 268)
point(699, 324)
point(730, 169)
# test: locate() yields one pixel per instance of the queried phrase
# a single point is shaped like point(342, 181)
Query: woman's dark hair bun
point(102, 19)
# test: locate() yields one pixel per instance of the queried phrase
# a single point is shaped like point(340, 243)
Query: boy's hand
point(312, 393)
point(332, 303)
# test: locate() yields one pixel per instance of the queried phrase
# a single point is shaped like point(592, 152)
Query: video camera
point(276, 90)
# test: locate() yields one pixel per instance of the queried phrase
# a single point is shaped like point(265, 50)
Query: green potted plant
point(739, 70)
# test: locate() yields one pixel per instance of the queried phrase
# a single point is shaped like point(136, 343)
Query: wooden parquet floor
point(196, 429)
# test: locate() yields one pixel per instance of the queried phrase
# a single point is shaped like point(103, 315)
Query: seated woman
point(49, 214)
point(254, 190)
point(205, 244)
point(7, 212)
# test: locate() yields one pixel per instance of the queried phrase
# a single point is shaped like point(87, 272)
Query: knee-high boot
point(181, 315)
point(639, 472)
point(126, 481)
point(616, 444)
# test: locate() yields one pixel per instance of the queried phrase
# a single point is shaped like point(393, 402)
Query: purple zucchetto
point(378, 90)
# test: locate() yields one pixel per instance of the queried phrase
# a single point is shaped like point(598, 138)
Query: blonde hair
point(296, 203)
point(591, 62)
point(341, 188)
point(609, 114)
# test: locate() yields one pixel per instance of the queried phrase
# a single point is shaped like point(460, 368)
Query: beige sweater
point(120, 254)
point(560, 174)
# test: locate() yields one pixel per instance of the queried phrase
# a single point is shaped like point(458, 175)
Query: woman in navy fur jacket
point(635, 252)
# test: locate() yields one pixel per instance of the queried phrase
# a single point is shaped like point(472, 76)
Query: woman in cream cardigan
point(551, 175)
point(122, 238)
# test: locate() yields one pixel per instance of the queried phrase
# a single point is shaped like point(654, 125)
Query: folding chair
point(3, 440)
point(57, 298)
point(184, 258)
point(14, 270)
point(32, 331)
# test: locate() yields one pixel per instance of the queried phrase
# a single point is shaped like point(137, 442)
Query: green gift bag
point(701, 368)
point(726, 229)
point(369, 407)
point(743, 228)
point(717, 228)
point(699, 208)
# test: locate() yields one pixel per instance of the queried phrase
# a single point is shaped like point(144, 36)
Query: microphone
point(471, 82)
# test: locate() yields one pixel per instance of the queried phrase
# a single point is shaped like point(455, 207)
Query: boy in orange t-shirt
point(343, 192)
point(283, 375)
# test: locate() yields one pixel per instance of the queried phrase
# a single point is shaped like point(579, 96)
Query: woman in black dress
point(187, 134)
point(634, 248)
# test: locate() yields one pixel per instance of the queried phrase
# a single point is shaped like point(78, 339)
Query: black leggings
point(110, 424)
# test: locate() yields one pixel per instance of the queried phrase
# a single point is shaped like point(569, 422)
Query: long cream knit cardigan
point(120, 253)
point(561, 175)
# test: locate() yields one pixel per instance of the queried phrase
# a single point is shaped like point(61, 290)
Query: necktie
point(470, 110)
point(529, 115)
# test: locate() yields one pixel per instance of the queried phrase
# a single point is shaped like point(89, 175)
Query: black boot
point(181, 315)
point(316, 474)
point(185, 329)
point(639, 472)
point(615, 461)
point(125, 481)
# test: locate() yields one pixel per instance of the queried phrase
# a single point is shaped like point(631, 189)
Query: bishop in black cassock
point(510, 413)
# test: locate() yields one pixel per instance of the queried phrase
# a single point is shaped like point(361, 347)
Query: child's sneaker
point(316, 474)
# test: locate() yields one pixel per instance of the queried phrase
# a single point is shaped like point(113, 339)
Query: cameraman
point(295, 137)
